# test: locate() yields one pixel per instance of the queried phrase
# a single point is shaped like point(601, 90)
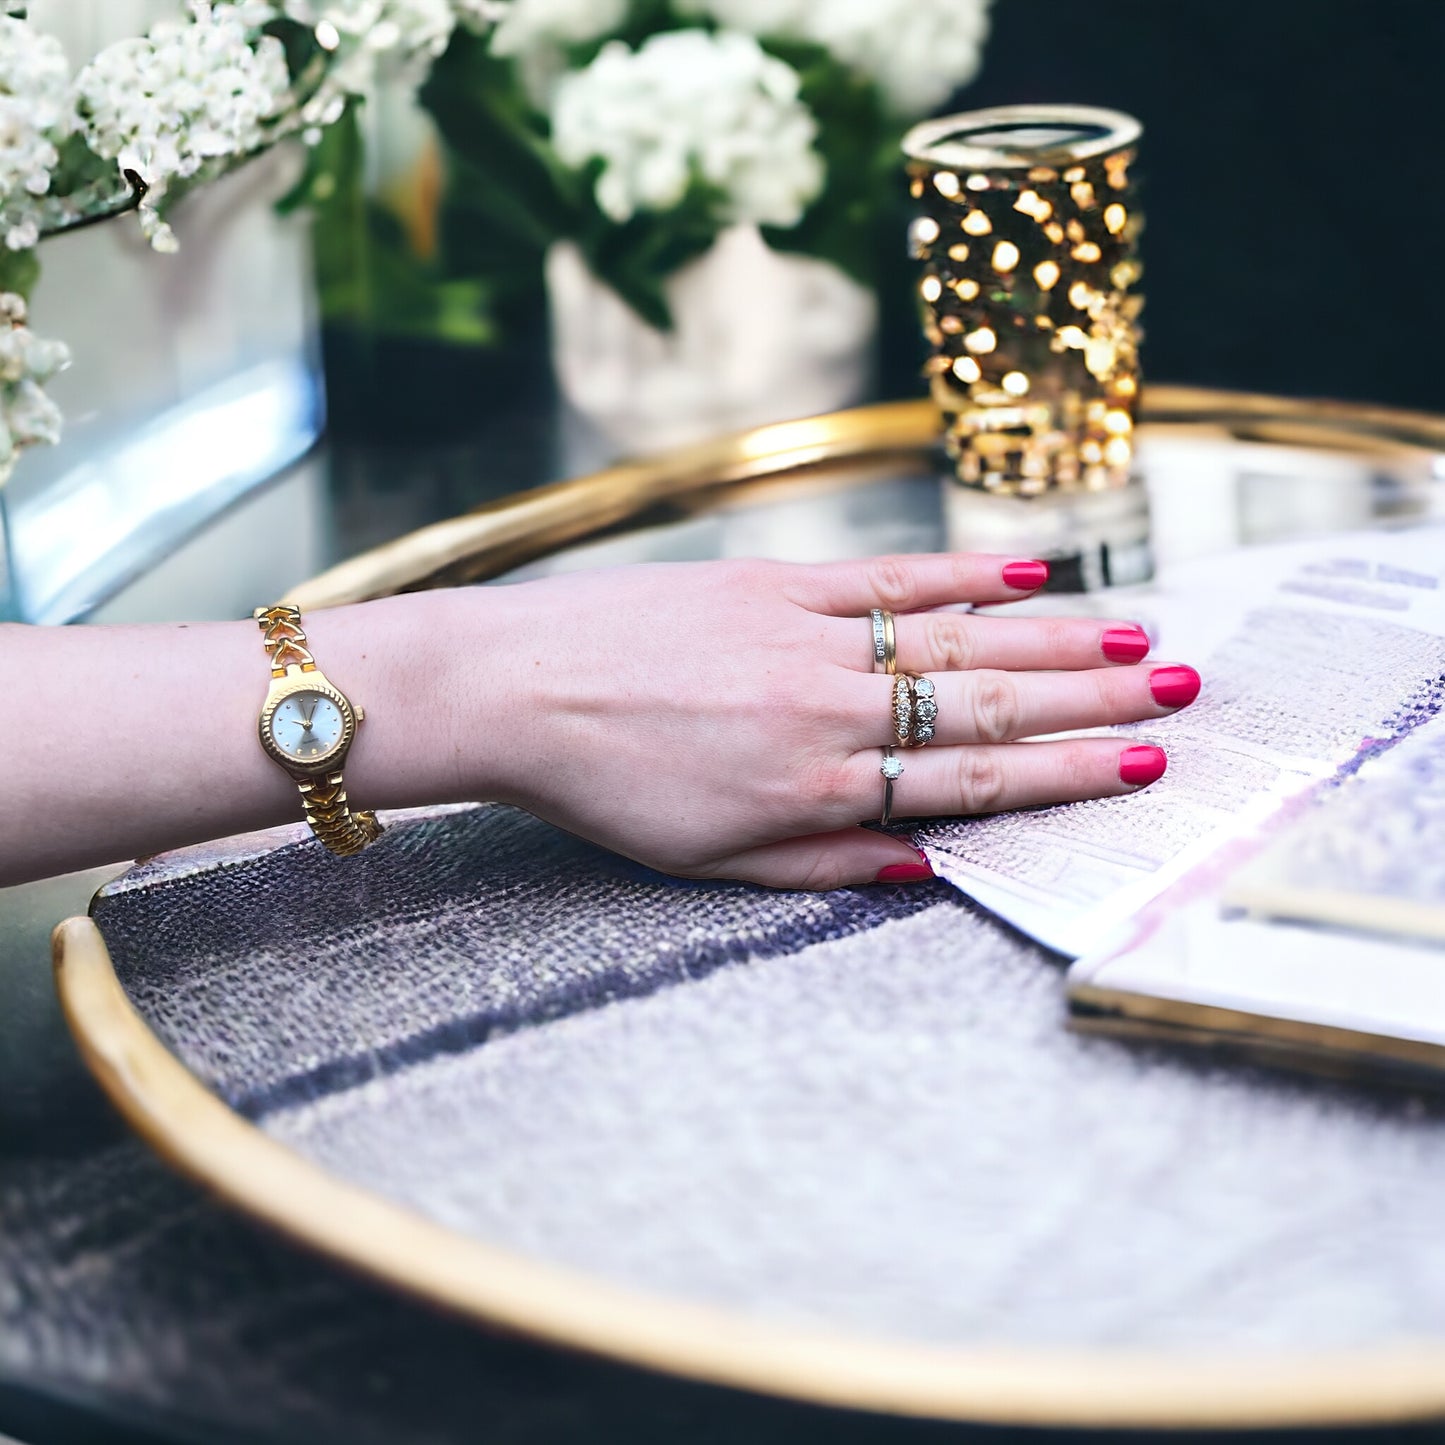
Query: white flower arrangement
point(152, 114)
point(638, 129)
point(689, 106)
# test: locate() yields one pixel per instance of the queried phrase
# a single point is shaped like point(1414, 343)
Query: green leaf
point(367, 276)
point(637, 258)
point(511, 175)
point(19, 271)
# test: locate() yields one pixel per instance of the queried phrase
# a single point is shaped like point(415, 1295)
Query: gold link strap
point(343, 831)
point(324, 799)
point(283, 639)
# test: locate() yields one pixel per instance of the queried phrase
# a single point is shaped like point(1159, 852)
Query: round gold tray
point(200, 1135)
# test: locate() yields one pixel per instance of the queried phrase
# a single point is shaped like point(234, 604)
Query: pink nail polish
point(907, 872)
point(1025, 576)
point(1125, 644)
point(1143, 764)
point(1174, 686)
point(904, 873)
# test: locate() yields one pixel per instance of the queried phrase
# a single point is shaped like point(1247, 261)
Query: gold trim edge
point(518, 528)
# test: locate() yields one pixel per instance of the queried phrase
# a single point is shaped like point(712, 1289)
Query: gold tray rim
point(500, 535)
point(194, 1131)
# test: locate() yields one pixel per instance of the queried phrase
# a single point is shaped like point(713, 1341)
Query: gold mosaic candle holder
point(1027, 232)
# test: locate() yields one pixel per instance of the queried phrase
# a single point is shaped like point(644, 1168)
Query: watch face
point(306, 726)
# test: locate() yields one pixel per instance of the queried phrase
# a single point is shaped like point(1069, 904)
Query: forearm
point(121, 741)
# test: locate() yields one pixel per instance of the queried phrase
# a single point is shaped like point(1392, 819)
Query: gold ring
point(885, 652)
point(915, 710)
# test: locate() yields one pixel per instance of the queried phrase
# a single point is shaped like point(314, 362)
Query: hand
point(723, 719)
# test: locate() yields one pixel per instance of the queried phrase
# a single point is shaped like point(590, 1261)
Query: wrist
point(427, 669)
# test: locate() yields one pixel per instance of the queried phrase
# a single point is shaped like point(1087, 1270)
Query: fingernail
point(1124, 644)
point(907, 872)
point(1142, 765)
point(1026, 576)
point(1174, 686)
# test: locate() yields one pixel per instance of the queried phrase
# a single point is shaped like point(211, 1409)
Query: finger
point(907, 583)
point(829, 860)
point(992, 706)
point(947, 782)
point(958, 642)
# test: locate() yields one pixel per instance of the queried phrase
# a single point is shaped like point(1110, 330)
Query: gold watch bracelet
point(323, 798)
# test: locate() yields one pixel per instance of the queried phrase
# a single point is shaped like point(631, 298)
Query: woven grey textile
point(859, 1110)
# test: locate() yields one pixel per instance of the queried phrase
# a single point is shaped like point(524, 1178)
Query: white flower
point(35, 113)
point(27, 361)
point(918, 52)
point(187, 93)
point(689, 105)
point(398, 35)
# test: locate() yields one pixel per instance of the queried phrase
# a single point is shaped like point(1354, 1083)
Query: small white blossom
point(188, 93)
point(368, 36)
point(688, 105)
point(918, 52)
point(366, 40)
point(27, 362)
point(35, 113)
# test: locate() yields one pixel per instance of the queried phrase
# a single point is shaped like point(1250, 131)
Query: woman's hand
point(723, 719)
point(716, 719)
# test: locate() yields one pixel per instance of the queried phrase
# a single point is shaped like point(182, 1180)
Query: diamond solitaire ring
point(892, 770)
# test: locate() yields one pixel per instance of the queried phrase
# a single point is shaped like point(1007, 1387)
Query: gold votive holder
point(1027, 234)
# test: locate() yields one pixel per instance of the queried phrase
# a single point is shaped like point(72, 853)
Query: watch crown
point(361, 714)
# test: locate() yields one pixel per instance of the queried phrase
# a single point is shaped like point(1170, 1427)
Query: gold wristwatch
point(307, 725)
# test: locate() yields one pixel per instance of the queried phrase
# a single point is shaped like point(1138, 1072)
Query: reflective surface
point(1207, 487)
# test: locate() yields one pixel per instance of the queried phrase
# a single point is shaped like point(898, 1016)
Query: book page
point(1315, 656)
point(1370, 855)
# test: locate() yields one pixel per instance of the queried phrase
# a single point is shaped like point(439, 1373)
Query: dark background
point(1292, 175)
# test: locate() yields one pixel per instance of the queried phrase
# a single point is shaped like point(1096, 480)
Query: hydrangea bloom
point(165, 103)
point(35, 112)
point(918, 52)
point(691, 105)
point(27, 361)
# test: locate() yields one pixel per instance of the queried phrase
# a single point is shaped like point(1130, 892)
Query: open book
point(1324, 685)
point(1323, 944)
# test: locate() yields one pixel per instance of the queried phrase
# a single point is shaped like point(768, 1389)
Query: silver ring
point(892, 770)
point(885, 657)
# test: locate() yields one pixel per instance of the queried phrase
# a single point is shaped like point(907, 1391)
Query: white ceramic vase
point(759, 336)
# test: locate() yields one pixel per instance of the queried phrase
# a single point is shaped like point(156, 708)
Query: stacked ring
point(915, 710)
